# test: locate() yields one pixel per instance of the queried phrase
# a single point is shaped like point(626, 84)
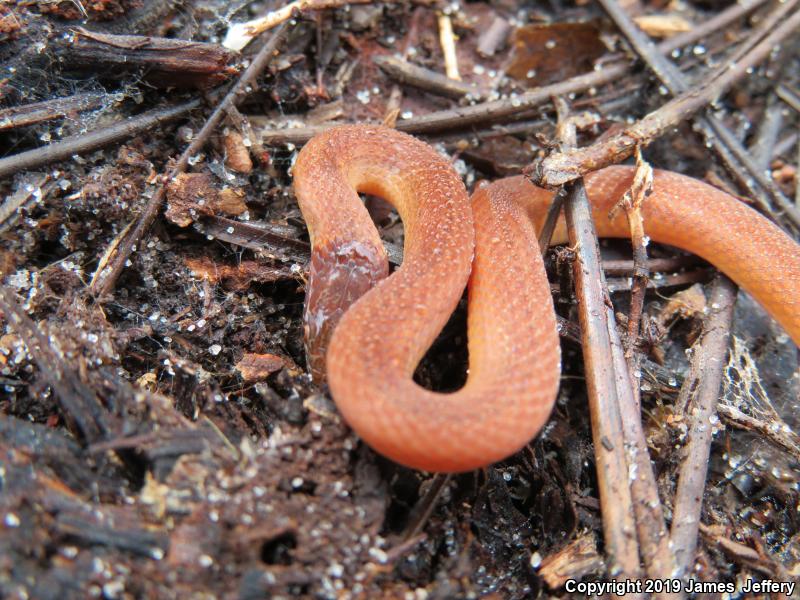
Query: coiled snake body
point(367, 332)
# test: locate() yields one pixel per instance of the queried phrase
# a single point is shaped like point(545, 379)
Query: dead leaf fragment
point(193, 195)
point(574, 561)
point(230, 201)
point(662, 26)
point(237, 155)
point(685, 304)
point(257, 367)
point(547, 53)
point(238, 277)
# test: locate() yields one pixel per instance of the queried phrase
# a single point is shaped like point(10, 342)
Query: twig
point(615, 494)
point(699, 393)
point(395, 100)
point(560, 168)
point(104, 279)
point(566, 134)
point(80, 144)
point(241, 34)
point(631, 203)
point(494, 36)
point(608, 374)
point(654, 265)
point(662, 378)
point(551, 219)
point(425, 79)
point(448, 43)
point(767, 133)
point(423, 509)
point(300, 135)
point(790, 96)
point(742, 554)
point(764, 27)
point(38, 112)
point(715, 24)
point(609, 442)
point(650, 524)
point(167, 61)
point(674, 279)
point(26, 191)
point(780, 437)
point(142, 20)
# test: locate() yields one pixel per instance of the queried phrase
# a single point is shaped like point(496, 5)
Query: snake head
point(340, 273)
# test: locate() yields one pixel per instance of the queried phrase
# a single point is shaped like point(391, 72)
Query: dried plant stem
point(699, 396)
point(609, 381)
point(448, 43)
point(48, 110)
point(241, 34)
point(425, 79)
point(92, 140)
point(609, 441)
point(715, 24)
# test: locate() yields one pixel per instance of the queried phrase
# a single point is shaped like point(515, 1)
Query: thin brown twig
point(657, 377)
point(780, 437)
point(783, 9)
point(767, 133)
point(612, 473)
point(240, 35)
point(790, 96)
point(623, 267)
point(423, 509)
point(48, 110)
point(651, 527)
point(271, 136)
point(106, 278)
point(649, 516)
point(631, 203)
point(609, 377)
point(698, 400)
point(667, 281)
point(715, 24)
point(609, 441)
point(82, 143)
point(566, 134)
point(425, 79)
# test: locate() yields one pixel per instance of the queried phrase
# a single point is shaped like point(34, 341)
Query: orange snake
point(367, 332)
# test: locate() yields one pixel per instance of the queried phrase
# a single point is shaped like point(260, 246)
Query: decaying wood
point(167, 61)
point(49, 110)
